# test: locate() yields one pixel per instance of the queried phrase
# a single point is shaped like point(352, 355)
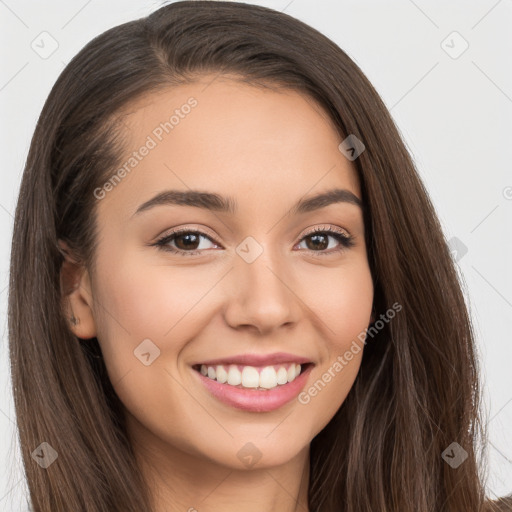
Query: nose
point(261, 296)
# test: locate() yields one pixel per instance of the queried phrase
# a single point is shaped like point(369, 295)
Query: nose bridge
point(261, 295)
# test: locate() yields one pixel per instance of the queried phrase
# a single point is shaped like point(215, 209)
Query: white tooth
point(250, 377)
point(282, 375)
point(222, 375)
point(291, 372)
point(268, 378)
point(234, 375)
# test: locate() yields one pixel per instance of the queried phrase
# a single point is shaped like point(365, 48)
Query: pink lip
point(257, 359)
point(254, 400)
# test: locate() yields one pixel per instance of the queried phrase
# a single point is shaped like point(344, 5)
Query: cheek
point(129, 309)
point(144, 299)
point(142, 309)
point(138, 302)
point(342, 301)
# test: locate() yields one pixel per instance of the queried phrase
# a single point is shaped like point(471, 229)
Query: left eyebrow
point(218, 203)
point(337, 195)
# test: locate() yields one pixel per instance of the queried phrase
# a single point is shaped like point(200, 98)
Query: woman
point(315, 355)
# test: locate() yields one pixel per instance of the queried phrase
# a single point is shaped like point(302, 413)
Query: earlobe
point(76, 297)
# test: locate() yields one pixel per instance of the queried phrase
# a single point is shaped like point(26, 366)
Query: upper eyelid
point(321, 228)
point(201, 231)
point(332, 231)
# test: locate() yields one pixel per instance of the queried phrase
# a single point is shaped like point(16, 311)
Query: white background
point(455, 115)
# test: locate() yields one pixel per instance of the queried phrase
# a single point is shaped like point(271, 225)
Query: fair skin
point(267, 150)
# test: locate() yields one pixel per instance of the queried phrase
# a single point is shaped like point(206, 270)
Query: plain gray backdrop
point(442, 68)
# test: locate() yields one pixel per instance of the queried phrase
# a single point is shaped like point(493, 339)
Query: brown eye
point(318, 240)
point(185, 242)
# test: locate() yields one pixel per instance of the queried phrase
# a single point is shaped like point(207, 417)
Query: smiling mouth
point(259, 378)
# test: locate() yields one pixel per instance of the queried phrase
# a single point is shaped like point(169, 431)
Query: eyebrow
point(217, 203)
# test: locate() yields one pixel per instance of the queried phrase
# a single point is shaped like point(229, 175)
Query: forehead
point(226, 136)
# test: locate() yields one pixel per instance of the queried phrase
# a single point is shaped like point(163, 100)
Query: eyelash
point(346, 241)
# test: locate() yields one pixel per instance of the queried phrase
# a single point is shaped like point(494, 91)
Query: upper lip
point(257, 359)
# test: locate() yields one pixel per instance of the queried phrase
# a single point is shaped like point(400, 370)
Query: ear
point(76, 295)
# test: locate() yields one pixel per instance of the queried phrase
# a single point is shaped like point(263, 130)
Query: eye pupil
point(187, 245)
point(323, 245)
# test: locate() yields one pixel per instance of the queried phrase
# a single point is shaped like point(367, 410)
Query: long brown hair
point(417, 390)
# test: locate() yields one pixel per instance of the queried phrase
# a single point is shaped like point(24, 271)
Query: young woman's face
point(249, 281)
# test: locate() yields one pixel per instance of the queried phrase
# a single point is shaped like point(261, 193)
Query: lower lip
point(255, 400)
